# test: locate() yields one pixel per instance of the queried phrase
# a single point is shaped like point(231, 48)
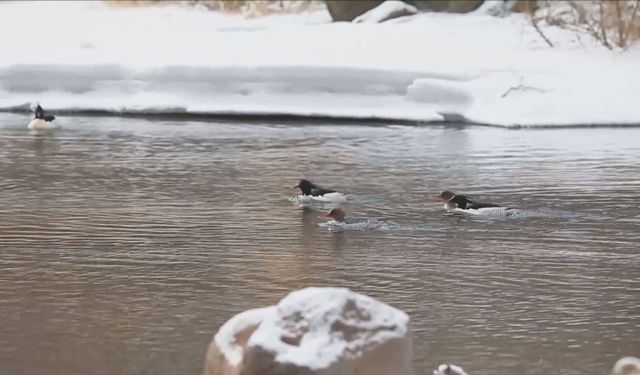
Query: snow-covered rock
point(446, 369)
point(390, 9)
point(498, 8)
point(314, 331)
point(626, 366)
point(228, 346)
point(341, 10)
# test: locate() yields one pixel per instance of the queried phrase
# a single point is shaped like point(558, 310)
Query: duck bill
point(437, 198)
point(325, 216)
point(295, 187)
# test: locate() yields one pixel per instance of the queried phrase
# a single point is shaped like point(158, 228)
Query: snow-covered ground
point(429, 67)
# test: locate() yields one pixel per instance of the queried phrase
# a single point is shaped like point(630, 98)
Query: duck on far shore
point(41, 120)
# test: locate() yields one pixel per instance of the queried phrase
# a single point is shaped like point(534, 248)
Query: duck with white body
point(312, 193)
point(41, 120)
point(342, 222)
point(461, 204)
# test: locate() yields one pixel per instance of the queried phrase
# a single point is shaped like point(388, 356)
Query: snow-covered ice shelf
point(477, 68)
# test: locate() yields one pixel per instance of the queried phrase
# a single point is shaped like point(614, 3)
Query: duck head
point(445, 196)
point(304, 186)
point(40, 114)
point(336, 214)
point(451, 200)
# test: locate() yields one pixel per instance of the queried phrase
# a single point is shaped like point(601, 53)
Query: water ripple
point(126, 242)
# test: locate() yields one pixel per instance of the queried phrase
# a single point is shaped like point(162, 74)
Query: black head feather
point(461, 201)
point(306, 186)
point(40, 114)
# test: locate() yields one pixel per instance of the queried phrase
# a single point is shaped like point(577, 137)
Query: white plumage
point(40, 124)
point(486, 211)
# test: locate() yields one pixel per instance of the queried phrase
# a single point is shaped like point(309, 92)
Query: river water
point(126, 243)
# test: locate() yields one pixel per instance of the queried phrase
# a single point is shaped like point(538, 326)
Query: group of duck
point(312, 193)
point(454, 203)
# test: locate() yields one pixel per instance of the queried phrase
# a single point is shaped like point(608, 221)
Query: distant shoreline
point(274, 118)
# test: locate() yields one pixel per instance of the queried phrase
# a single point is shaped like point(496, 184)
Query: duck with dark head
point(41, 119)
point(461, 203)
point(313, 191)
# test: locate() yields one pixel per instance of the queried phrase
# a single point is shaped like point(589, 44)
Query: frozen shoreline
point(428, 68)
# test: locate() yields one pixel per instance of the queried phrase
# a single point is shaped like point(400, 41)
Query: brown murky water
point(125, 243)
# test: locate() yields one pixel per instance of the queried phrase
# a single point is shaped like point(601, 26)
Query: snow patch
point(308, 326)
point(225, 339)
point(428, 68)
point(446, 369)
point(497, 8)
point(386, 11)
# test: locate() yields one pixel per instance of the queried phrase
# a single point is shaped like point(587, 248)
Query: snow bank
point(387, 10)
point(534, 98)
point(424, 68)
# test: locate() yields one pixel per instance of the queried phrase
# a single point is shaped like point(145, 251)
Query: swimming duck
point(336, 214)
point(342, 222)
point(462, 204)
point(41, 120)
point(310, 190)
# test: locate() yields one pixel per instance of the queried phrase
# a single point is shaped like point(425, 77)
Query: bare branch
point(603, 29)
point(521, 87)
point(620, 24)
point(630, 25)
point(535, 26)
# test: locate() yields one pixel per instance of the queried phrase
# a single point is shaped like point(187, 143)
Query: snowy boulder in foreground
point(449, 370)
point(329, 331)
point(626, 366)
point(388, 10)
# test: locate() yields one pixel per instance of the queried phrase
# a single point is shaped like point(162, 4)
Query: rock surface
point(451, 6)
point(341, 10)
point(314, 331)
